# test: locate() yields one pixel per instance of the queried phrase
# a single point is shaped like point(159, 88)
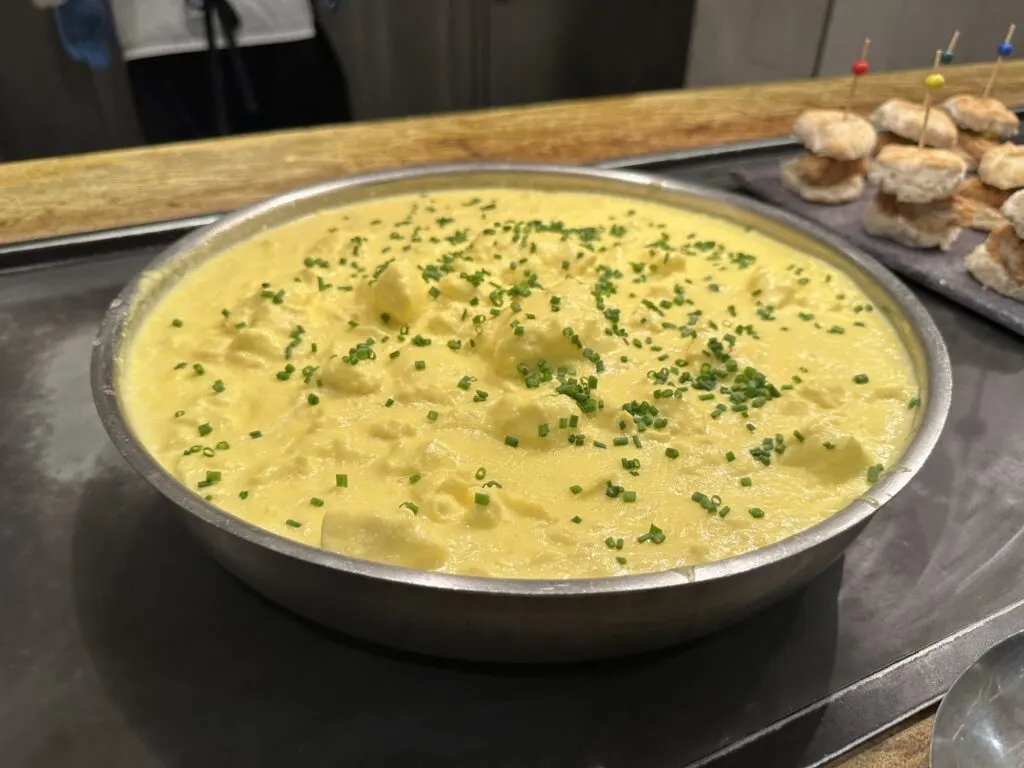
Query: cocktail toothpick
point(860, 67)
point(1004, 50)
point(932, 83)
point(947, 57)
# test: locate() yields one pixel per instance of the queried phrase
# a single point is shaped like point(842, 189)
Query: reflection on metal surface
point(981, 721)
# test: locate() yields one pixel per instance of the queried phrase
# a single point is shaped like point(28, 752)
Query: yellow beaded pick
point(932, 83)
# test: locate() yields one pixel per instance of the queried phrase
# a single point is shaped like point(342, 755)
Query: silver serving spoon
point(980, 723)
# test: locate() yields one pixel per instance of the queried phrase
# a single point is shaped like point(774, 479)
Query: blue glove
point(86, 31)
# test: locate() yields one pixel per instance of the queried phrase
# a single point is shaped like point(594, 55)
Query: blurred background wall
point(406, 57)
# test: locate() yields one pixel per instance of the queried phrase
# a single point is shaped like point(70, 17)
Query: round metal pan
point(517, 619)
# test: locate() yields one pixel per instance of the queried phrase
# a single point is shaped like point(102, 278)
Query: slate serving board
point(943, 273)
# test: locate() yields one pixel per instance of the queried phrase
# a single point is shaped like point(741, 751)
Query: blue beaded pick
point(1005, 49)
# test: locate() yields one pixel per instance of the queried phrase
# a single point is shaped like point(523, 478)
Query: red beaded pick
point(860, 67)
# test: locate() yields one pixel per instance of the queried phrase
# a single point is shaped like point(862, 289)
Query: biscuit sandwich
point(915, 203)
point(899, 121)
point(1000, 174)
point(983, 122)
point(998, 263)
point(833, 167)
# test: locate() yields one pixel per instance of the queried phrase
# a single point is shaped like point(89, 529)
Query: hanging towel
point(86, 31)
point(161, 27)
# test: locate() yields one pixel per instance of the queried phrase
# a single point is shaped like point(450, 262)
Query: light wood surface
point(45, 198)
point(87, 192)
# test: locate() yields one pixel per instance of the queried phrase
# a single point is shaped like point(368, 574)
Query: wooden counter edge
point(64, 195)
point(905, 746)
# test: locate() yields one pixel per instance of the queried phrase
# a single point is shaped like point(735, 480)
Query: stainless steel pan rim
point(936, 402)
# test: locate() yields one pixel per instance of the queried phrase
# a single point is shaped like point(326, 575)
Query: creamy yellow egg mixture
point(520, 384)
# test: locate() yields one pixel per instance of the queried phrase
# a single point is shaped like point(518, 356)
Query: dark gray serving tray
point(943, 272)
point(122, 643)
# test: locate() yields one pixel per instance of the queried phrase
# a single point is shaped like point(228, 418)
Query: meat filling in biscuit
point(936, 217)
point(827, 172)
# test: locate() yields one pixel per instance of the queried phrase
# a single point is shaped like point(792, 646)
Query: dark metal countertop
point(122, 643)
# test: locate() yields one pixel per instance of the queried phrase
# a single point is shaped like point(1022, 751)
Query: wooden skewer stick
point(860, 67)
point(947, 55)
point(932, 83)
point(1005, 49)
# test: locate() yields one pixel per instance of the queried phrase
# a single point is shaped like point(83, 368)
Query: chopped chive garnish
point(874, 473)
point(672, 453)
point(756, 512)
point(395, 354)
point(179, 366)
point(198, 368)
point(255, 434)
point(177, 322)
point(914, 402)
point(576, 519)
point(620, 560)
point(542, 430)
point(746, 482)
point(226, 312)
point(798, 435)
point(389, 402)
point(294, 523)
point(205, 429)
point(316, 502)
point(432, 415)
point(421, 365)
point(465, 383)
point(218, 386)
point(620, 441)
point(511, 441)
point(481, 498)
point(178, 414)
point(828, 446)
point(223, 445)
point(576, 489)
point(243, 495)
point(413, 479)
point(654, 534)
point(212, 476)
point(312, 398)
point(341, 481)
point(480, 474)
point(730, 456)
point(629, 496)
point(414, 508)
point(860, 378)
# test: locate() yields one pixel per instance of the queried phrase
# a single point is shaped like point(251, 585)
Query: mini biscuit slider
point(914, 205)
point(838, 145)
point(983, 120)
point(1000, 174)
point(832, 169)
point(998, 263)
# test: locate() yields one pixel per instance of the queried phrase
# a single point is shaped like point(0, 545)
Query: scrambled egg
point(520, 384)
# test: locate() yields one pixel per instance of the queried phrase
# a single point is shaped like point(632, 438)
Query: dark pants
point(294, 84)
